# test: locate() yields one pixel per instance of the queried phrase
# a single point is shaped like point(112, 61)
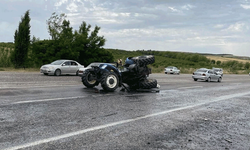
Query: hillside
point(185, 61)
point(189, 62)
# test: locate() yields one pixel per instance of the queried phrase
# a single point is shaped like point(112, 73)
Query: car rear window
point(200, 70)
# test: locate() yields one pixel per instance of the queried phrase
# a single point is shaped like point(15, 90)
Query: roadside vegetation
point(85, 46)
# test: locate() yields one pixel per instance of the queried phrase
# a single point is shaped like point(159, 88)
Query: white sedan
point(172, 70)
point(60, 67)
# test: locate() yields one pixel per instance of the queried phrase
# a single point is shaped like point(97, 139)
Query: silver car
point(60, 67)
point(172, 70)
point(207, 75)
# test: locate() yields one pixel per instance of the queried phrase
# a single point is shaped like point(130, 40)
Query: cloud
point(72, 7)
point(245, 6)
point(187, 7)
point(237, 27)
point(60, 3)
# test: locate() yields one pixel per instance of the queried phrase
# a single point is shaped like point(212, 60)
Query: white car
point(60, 67)
point(207, 75)
point(172, 70)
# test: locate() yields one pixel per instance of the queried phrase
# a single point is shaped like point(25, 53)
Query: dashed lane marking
point(190, 87)
point(44, 100)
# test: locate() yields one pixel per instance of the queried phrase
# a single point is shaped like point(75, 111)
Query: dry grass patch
point(223, 59)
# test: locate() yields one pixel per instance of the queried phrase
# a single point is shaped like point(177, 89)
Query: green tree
point(247, 65)
point(83, 45)
point(55, 25)
point(89, 45)
point(22, 42)
point(213, 61)
point(218, 62)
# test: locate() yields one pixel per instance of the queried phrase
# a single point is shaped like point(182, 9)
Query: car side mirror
point(63, 64)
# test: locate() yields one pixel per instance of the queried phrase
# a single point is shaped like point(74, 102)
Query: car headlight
point(51, 68)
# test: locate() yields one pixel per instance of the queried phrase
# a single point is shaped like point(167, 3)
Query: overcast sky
point(203, 26)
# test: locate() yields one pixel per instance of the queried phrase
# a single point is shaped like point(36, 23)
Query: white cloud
point(173, 9)
point(187, 7)
point(72, 7)
point(245, 6)
point(237, 27)
point(60, 3)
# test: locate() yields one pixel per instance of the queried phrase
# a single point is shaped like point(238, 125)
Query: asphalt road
point(48, 112)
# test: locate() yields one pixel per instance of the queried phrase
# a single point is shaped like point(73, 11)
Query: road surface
point(49, 112)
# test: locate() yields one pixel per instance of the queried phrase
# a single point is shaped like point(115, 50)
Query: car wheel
point(219, 80)
point(209, 79)
point(148, 84)
point(57, 72)
point(195, 79)
point(110, 81)
point(88, 79)
point(45, 74)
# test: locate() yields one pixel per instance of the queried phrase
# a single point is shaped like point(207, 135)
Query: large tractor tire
point(144, 60)
point(110, 81)
point(148, 84)
point(87, 79)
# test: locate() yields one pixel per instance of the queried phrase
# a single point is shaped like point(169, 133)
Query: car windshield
point(170, 67)
point(201, 70)
point(57, 62)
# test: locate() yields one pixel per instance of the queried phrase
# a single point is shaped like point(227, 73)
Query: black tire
point(46, 74)
point(57, 72)
point(209, 80)
point(195, 79)
point(219, 80)
point(86, 79)
point(110, 81)
point(144, 60)
point(148, 84)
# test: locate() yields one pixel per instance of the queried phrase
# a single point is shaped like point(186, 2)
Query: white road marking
point(44, 100)
point(38, 142)
point(190, 87)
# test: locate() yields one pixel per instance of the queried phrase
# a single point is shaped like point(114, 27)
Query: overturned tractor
point(133, 73)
